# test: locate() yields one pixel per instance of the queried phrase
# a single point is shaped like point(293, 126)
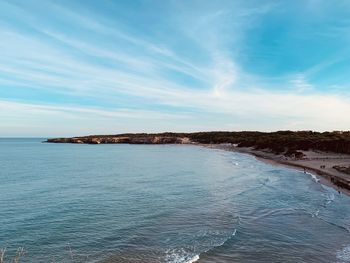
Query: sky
point(71, 68)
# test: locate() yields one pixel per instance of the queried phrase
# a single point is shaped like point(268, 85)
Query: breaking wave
point(180, 256)
point(343, 255)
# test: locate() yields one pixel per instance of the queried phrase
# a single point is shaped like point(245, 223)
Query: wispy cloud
point(300, 84)
point(187, 69)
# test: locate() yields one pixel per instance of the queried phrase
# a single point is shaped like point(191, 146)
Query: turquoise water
point(163, 203)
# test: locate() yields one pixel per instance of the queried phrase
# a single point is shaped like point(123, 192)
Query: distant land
point(326, 153)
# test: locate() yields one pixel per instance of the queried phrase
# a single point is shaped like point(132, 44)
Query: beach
point(311, 162)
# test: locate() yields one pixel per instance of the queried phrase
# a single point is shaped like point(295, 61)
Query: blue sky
point(104, 67)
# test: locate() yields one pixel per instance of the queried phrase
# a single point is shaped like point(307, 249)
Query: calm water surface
point(166, 203)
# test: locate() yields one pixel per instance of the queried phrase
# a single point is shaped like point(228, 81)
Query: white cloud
point(52, 65)
point(300, 84)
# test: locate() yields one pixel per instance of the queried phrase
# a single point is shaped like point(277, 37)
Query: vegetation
point(19, 254)
point(281, 141)
point(278, 142)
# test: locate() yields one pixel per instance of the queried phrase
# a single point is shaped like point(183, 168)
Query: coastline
point(330, 159)
point(326, 177)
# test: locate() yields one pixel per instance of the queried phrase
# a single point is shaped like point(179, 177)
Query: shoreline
point(331, 164)
point(325, 177)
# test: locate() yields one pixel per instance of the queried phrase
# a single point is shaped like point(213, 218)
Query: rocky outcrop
point(132, 139)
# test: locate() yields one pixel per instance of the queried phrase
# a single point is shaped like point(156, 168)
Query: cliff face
point(281, 142)
point(132, 139)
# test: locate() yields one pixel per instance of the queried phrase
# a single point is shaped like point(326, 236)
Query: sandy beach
point(317, 163)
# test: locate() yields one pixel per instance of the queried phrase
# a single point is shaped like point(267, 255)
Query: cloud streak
point(94, 70)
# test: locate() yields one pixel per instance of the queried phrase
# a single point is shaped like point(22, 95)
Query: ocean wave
point(343, 255)
point(316, 213)
point(194, 259)
point(265, 181)
point(343, 227)
point(234, 232)
point(278, 212)
point(330, 197)
point(183, 256)
point(180, 256)
point(262, 183)
point(314, 177)
point(223, 242)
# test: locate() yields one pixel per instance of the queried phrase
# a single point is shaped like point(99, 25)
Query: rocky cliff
point(132, 139)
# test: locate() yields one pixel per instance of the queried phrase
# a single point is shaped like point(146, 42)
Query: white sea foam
point(343, 255)
point(314, 177)
point(194, 259)
point(330, 198)
point(316, 213)
point(180, 256)
point(234, 232)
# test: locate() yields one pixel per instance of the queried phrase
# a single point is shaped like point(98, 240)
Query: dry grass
point(19, 254)
point(2, 255)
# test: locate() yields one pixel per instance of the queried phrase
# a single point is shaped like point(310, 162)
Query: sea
point(163, 203)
